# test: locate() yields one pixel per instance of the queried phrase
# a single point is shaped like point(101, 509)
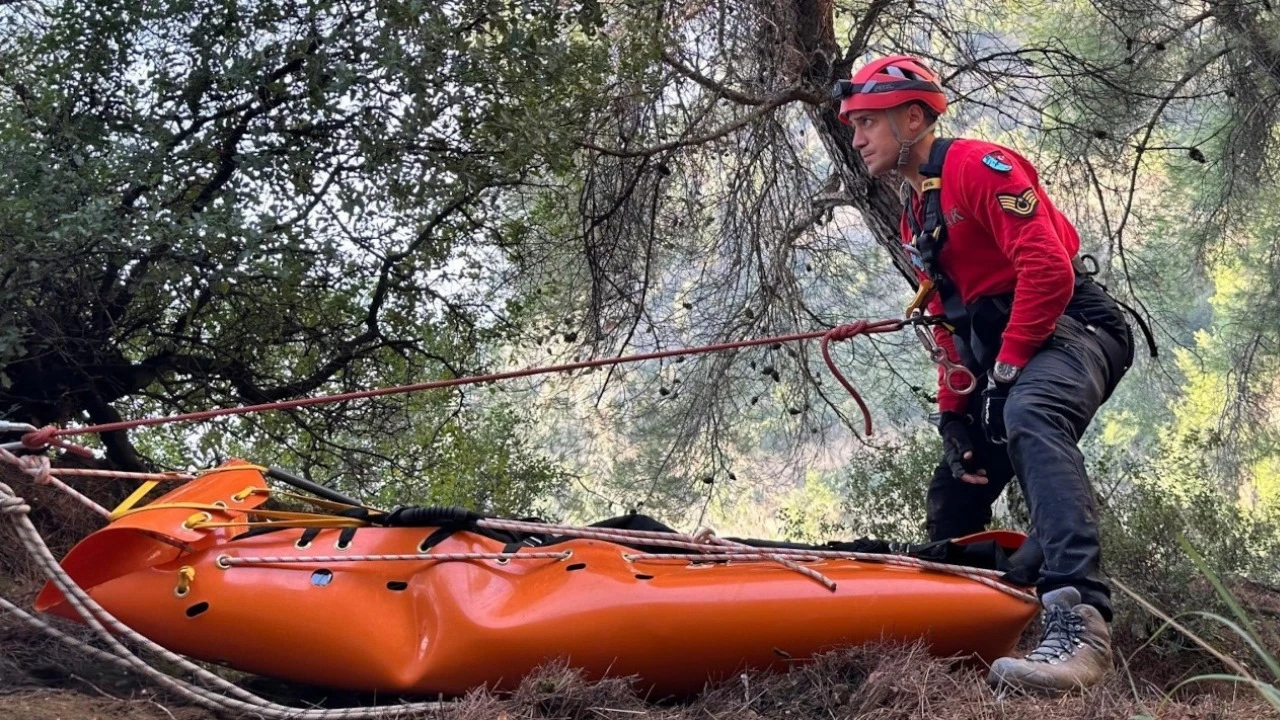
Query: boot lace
point(1063, 634)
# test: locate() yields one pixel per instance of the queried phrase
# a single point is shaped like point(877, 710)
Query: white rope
point(707, 535)
point(37, 466)
point(13, 505)
point(691, 542)
point(803, 556)
point(79, 497)
point(226, 561)
point(77, 643)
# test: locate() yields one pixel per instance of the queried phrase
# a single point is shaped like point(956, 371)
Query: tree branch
point(860, 33)
point(761, 110)
point(714, 86)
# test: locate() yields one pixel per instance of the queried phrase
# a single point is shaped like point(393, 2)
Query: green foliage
point(212, 203)
point(1244, 631)
point(1144, 519)
point(482, 463)
point(880, 493)
point(812, 512)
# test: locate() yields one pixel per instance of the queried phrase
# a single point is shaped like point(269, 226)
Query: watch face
point(1005, 372)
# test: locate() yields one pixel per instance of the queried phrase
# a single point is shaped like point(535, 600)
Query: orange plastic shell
point(426, 626)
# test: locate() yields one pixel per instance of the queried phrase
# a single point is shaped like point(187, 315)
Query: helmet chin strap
point(904, 147)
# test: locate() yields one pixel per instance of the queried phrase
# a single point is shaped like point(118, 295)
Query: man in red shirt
point(1048, 344)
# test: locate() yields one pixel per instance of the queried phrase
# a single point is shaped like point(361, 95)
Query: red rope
point(831, 365)
point(49, 435)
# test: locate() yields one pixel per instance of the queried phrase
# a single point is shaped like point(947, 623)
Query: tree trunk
point(876, 199)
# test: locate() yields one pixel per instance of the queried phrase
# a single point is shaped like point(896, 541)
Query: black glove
point(993, 402)
point(957, 444)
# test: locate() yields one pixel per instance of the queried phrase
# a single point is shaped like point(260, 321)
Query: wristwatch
point(1005, 372)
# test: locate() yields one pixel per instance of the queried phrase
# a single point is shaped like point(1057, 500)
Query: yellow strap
point(326, 504)
point(934, 183)
point(309, 522)
point(232, 468)
point(186, 576)
point(318, 502)
point(316, 519)
point(174, 506)
point(241, 496)
point(133, 499)
point(291, 515)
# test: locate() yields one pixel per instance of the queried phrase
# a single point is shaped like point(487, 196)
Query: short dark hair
point(930, 116)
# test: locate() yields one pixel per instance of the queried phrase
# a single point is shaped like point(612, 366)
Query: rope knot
point(705, 535)
point(37, 466)
point(47, 436)
point(40, 439)
point(848, 330)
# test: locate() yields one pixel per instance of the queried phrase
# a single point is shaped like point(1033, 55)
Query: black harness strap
point(928, 235)
point(1083, 272)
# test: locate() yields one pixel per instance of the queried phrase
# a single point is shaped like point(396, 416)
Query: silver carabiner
point(8, 427)
point(938, 355)
point(950, 370)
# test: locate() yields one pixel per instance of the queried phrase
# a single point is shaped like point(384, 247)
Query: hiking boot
point(1075, 651)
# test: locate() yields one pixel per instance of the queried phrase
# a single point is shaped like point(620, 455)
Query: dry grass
point(868, 683)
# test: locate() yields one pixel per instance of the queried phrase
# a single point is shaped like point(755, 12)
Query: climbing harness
point(966, 324)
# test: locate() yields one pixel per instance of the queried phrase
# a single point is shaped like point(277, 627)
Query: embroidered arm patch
point(996, 161)
point(1023, 205)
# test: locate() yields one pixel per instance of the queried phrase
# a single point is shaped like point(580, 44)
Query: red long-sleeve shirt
point(1003, 235)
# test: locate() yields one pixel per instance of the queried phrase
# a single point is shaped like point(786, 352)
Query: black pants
point(1048, 410)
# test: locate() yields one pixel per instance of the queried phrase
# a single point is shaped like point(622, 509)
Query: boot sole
point(1003, 685)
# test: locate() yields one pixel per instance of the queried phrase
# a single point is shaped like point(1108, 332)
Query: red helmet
point(887, 83)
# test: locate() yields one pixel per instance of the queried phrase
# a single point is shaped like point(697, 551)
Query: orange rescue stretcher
point(348, 600)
